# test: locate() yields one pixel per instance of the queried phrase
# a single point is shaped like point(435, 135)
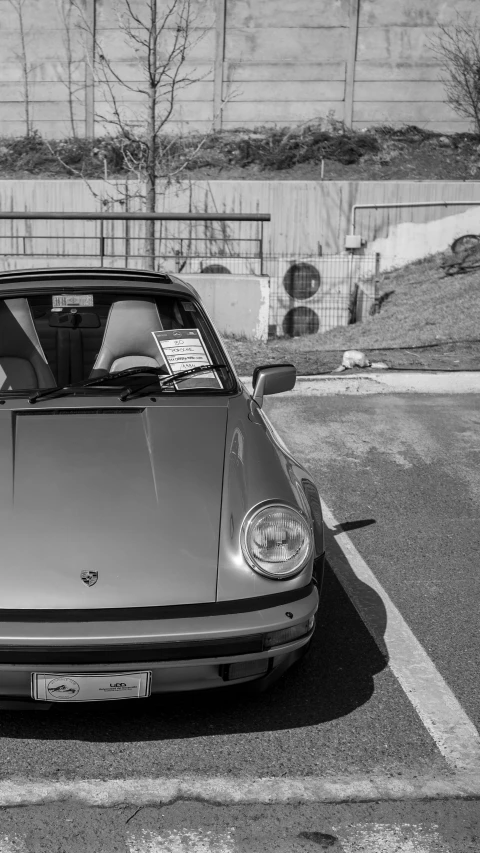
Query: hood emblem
point(89, 577)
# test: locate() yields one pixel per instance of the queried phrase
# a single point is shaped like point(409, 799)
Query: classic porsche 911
point(156, 535)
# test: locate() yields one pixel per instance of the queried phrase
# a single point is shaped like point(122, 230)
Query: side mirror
point(272, 379)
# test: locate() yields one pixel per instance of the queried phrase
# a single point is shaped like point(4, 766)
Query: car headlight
point(276, 541)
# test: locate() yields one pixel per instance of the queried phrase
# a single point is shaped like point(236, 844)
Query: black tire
point(462, 244)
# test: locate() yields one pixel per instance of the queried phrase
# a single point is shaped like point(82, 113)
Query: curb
point(435, 382)
point(228, 790)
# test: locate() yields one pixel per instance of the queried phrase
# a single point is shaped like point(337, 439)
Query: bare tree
point(22, 56)
point(68, 15)
point(457, 47)
point(161, 35)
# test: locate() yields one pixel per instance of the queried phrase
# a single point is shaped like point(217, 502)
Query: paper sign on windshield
point(183, 349)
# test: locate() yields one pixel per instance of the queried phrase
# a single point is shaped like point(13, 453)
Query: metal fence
point(314, 294)
point(308, 294)
point(119, 239)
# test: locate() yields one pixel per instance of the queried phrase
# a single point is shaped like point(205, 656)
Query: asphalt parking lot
point(400, 475)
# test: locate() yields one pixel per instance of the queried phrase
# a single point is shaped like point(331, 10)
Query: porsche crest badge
point(89, 578)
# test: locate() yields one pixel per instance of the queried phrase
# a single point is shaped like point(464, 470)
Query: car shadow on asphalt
point(334, 679)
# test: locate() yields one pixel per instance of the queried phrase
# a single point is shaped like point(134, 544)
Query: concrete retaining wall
point(270, 62)
point(305, 215)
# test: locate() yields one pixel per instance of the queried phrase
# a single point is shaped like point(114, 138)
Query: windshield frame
point(80, 285)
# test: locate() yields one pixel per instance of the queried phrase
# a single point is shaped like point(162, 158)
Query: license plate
point(89, 687)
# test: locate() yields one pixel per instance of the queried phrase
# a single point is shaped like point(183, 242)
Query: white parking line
point(439, 710)
point(12, 844)
point(391, 838)
point(183, 841)
point(352, 838)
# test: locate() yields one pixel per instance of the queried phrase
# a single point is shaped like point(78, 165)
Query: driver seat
point(22, 360)
point(128, 340)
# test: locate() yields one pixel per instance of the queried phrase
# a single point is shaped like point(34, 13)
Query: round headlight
point(276, 541)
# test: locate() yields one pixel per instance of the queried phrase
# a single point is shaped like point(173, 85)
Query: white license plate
point(90, 687)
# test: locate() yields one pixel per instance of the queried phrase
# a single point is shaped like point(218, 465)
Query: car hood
point(131, 493)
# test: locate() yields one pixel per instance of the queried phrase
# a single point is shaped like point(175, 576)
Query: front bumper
point(187, 653)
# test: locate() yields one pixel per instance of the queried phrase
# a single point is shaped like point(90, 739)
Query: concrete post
point(351, 61)
point(90, 19)
point(220, 15)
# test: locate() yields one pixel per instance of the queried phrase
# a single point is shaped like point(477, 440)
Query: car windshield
point(66, 337)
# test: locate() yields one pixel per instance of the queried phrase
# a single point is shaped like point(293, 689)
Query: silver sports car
point(156, 535)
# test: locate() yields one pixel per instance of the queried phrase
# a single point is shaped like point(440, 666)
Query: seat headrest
point(19, 339)
point(128, 333)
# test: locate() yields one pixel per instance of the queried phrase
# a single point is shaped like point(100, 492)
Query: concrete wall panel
point(40, 48)
point(280, 112)
point(180, 126)
point(410, 13)
point(202, 10)
point(200, 91)
point(258, 72)
point(289, 91)
point(48, 128)
point(39, 92)
point(395, 44)
point(49, 17)
point(383, 71)
point(117, 48)
point(191, 111)
point(285, 43)
point(132, 72)
point(398, 91)
point(272, 13)
point(40, 111)
point(53, 71)
point(407, 112)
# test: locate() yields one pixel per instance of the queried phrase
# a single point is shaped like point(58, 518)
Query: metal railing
point(105, 244)
point(308, 294)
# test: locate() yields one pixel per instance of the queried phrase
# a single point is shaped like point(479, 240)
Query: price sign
point(183, 349)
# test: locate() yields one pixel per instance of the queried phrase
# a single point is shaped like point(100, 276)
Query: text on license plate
point(90, 687)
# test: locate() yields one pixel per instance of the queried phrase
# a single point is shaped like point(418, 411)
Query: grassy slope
point(421, 307)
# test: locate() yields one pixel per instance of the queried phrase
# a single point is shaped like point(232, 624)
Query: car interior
point(42, 346)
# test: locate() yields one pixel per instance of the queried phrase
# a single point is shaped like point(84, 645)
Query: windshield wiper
point(17, 392)
point(51, 393)
point(130, 393)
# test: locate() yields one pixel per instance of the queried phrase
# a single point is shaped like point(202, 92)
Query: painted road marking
point(383, 382)
point(184, 841)
point(439, 710)
point(12, 844)
point(350, 838)
point(225, 790)
point(391, 838)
